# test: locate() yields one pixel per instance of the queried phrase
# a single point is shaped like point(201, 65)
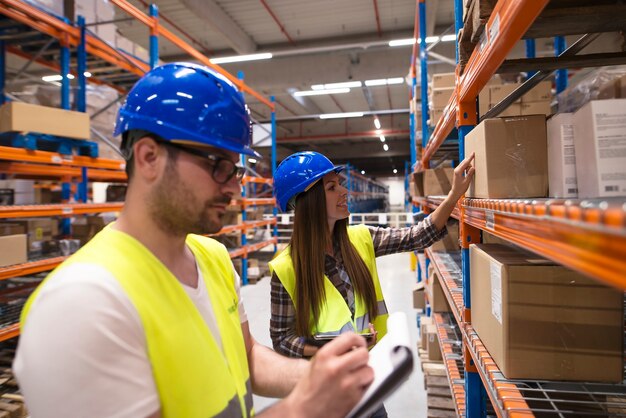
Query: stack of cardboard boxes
point(587, 149)
point(441, 89)
point(535, 102)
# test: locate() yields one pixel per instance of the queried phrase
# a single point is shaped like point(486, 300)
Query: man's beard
point(175, 209)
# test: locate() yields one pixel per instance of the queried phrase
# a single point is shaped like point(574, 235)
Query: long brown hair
point(308, 248)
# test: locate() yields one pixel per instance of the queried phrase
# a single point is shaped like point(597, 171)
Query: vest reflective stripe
point(233, 408)
point(335, 316)
point(193, 377)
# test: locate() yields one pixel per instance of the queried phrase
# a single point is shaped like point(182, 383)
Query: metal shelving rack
point(110, 67)
point(586, 235)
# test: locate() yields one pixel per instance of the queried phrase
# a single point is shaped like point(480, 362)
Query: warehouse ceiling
point(313, 43)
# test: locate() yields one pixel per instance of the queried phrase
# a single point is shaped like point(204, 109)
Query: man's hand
point(337, 380)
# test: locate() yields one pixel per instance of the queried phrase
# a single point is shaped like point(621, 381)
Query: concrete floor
point(397, 281)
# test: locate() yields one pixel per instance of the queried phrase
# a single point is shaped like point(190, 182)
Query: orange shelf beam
point(153, 24)
point(509, 21)
point(31, 267)
point(261, 180)
point(507, 401)
point(9, 332)
point(43, 22)
point(69, 209)
point(58, 172)
point(247, 202)
point(452, 369)
point(45, 157)
point(455, 298)
point(568, 236)
point(245, 250)
point(244, 226)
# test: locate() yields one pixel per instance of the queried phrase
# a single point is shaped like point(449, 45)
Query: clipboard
point(392, 361)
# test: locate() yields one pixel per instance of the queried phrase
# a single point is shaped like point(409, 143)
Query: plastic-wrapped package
point(591, 87)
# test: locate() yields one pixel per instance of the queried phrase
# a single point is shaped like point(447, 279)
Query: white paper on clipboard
point(392, 361)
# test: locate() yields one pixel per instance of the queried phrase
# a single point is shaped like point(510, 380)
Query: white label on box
point(382, 219)
point(496, 290)
point(494, 29)
point(611, 136)
point(284, 219)
point(490, 220)
point(569, 160)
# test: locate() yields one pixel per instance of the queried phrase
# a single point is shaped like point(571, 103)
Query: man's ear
point(149, 158)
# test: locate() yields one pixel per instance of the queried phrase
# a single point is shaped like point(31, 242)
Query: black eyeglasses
point(223, 169)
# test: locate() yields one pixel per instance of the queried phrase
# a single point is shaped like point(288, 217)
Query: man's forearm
point(272, 374)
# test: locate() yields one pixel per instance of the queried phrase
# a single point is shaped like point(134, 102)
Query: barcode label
point(490, 220)
point(611, 188)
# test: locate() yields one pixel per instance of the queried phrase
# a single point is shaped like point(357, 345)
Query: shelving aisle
point(119, 71)
point(585, 235)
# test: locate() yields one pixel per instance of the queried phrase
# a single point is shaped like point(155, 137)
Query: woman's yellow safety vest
point(335, 316)
point(194, 378)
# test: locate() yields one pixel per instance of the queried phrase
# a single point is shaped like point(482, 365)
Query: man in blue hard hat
point(146, 320)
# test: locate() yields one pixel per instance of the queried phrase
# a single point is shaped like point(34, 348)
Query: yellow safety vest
point(335, 316)
point(194, 378)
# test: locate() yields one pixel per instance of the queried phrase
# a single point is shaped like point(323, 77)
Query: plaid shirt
point(386, 241)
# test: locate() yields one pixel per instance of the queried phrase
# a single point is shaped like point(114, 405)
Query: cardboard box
point(511, 158)
point(443, 80)
point(451, 241)
point(435, 115)
point(440, 97)
point(25, 117)
point(616, 89)
point(436, 297)
point(23, 190)
point(536, 108)
point(38, 230)
point(498, 92)
point(424, 322)
point(561, 156)
point(539, 320)
point(514, 109)
point(7, 228)
point(600, 144)
point(433, 182)
point(432, 343)
point(542, 92)
point(13, 250)
point(418, 296)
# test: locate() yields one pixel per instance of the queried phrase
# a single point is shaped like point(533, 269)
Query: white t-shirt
point(84, 336)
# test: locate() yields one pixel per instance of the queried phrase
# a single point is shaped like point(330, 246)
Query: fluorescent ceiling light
point(382, 138)
point(384, 81)
point(379, 131)
point(252, 160)
point(362, 171)
point(448, 38)
point(348, 84)
point(402, 42)
point(377, 123)
point(56, 77)
point(411, 41)
point(386, 147)
point(341, 115)
point(59, 77)
point(240, 58)
point(395, 80)
point(87, 74)
point(320, 92)
point(395, 171)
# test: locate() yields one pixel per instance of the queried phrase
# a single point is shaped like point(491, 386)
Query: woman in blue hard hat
point(146, 320)
point(325, 282)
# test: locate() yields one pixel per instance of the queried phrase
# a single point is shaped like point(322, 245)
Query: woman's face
point(336, 197)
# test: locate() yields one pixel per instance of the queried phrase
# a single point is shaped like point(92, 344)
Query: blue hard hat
point(297, 173)
point(191, 103)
